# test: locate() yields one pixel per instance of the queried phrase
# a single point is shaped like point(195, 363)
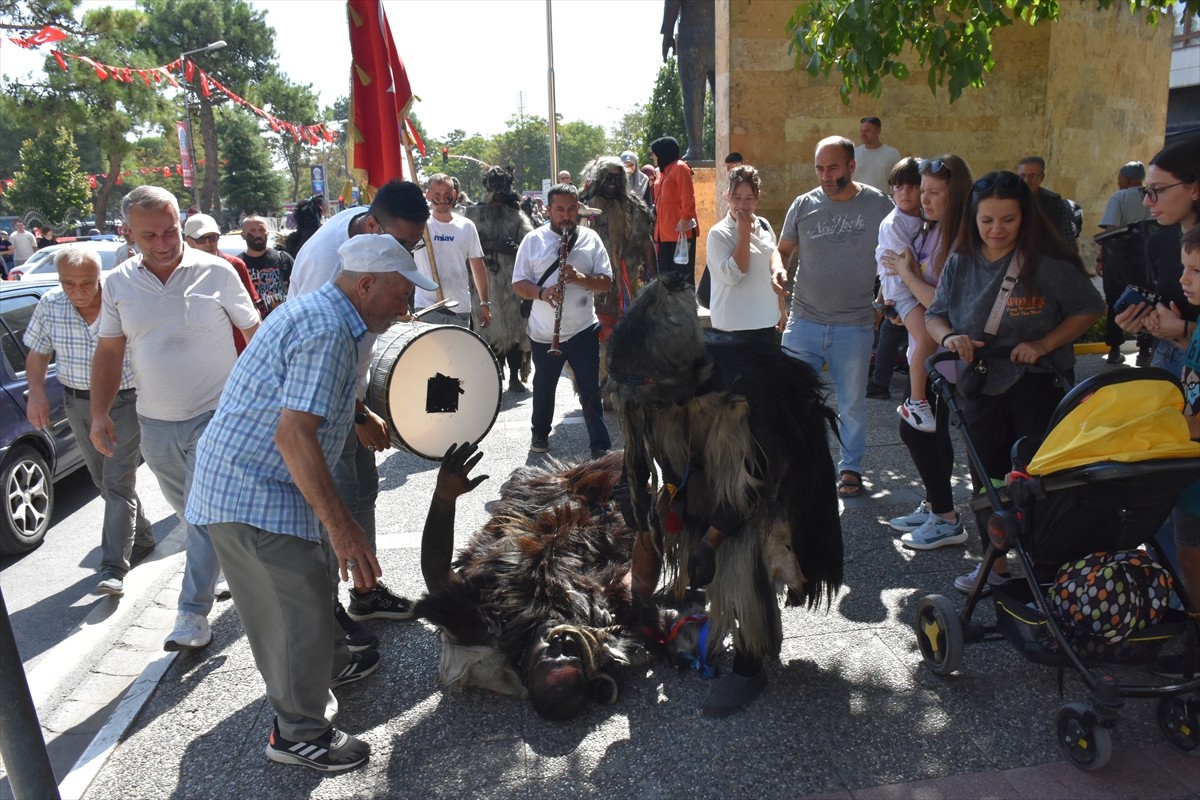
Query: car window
point(16, 311)
point(42, 262)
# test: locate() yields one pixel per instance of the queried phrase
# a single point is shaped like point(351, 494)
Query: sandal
point(849, 484)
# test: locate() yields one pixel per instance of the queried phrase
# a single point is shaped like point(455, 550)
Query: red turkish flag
point(380, 96)
point(44, 36)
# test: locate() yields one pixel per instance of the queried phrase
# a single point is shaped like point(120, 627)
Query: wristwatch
point(360, 418)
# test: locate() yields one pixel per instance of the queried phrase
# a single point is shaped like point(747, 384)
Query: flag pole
point(412, 170)
point(553, 114)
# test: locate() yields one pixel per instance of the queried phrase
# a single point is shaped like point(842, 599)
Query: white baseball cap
point(378, 252)
point(198, 225)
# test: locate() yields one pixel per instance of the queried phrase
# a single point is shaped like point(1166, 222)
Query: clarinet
point(564, 247)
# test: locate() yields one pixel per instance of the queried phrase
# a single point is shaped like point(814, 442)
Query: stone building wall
point(1087, 93)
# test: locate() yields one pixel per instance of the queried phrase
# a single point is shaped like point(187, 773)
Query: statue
point(696, 50)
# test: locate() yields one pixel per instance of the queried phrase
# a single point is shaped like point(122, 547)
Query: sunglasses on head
point(1004, 181)
point(932, 166)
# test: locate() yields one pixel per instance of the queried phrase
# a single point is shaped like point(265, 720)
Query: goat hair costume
point(738, 433)
point(501, 227)
point(552, 559)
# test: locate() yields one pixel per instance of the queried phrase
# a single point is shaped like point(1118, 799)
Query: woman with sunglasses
point(1051, 304)
point(910, 280)
point(1172, 193)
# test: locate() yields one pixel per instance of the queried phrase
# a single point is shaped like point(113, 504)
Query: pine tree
point(50, 189)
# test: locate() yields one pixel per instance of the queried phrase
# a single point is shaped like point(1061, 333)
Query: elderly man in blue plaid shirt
point(64, 328)
point(264, 488)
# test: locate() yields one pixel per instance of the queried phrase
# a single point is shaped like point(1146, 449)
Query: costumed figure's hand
point(453, 478)
point(509, 247)
point(373, 434)
point(702, 561)
point(1028, 352)
point(104, 434)
point(668, 44)
point(356, 560)
point(1134, 318)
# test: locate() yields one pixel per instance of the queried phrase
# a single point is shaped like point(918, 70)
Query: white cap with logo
point(378, 252)
point(198, 225)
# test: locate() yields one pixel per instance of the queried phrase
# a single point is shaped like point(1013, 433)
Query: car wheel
point(28, 495)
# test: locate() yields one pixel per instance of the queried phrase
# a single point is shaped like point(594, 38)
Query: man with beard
point(623, 224)
point(560, 266)
point(270, 268)
point(455, 246)
point(501, 227)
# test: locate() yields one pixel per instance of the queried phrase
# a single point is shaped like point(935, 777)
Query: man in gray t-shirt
point(833, 231)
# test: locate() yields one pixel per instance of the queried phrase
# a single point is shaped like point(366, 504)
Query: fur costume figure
point(746, 502)
point(531, 605)
point(501, 227)
point(623, 223)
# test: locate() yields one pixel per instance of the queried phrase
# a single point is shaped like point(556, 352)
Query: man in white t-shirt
point(873, 160)
point(24, 243)
point(587, 271)
point(455, 246)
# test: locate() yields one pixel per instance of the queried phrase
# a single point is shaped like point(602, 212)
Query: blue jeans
point(170, 451)
point(846, 350)
point(1169, 357)
point(582, 352)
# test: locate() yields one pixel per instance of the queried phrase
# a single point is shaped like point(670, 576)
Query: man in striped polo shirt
point(64, 329)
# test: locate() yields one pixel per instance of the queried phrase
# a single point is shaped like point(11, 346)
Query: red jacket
point(674, 199)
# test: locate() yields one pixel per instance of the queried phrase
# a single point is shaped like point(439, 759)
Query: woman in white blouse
point(743, 260)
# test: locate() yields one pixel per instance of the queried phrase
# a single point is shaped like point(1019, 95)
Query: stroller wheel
point(939, 634)
point(1179, 720)
point(1084, 743)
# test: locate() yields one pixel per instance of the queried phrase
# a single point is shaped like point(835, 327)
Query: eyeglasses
point(932, 167)
point(1004, 181)
point(1154, 191)
point(411, 247)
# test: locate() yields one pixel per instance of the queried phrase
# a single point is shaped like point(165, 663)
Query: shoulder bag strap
point(1006, 288)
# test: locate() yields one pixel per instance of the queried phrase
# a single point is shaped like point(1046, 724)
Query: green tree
point(465, 155)
point(249, 182)
point(629, 133)
point(526, 146)
point(664, 116)
point(176, 26)
point(866, 40)
point(50, 184)
point(296, 103)
point(102, 112)
point(578, 144)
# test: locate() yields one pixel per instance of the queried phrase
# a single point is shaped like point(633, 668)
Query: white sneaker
point(191, 632)
point(910, 522)
point(919, 414)
point(935, 533)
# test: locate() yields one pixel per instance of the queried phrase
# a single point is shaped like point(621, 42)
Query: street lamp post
point(187, 114)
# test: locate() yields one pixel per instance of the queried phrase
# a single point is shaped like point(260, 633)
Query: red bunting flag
point(44, 36)
point(380, 96)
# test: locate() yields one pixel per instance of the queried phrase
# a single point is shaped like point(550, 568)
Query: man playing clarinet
point(559, 267)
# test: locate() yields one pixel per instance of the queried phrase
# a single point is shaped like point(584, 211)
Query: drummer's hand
point(373, 434)
point(1134, 318)
point(452, 479)
point(485, 316)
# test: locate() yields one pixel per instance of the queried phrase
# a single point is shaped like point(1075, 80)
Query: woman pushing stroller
point(1011, 283)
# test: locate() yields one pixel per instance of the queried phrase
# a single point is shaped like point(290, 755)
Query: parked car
point(40, 265)
point(31, 461)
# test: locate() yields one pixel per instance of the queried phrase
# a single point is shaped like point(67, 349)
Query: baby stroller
point(1115, 457)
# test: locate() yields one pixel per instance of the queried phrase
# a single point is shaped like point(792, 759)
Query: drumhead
point(436, 385)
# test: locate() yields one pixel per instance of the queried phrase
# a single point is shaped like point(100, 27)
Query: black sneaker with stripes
point(332, 751)
point(361, 665)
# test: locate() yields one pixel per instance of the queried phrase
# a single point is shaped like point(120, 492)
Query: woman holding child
point(909, 276)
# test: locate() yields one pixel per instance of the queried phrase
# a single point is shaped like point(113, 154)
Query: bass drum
point(436, 385)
